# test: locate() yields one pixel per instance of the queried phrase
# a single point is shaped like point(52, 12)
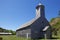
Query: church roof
point(28, 23)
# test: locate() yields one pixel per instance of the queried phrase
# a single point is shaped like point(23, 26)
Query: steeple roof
point(40, 4)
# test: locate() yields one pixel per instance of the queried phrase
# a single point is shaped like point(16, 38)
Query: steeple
point(40, 12)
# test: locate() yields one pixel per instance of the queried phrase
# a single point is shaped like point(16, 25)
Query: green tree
point(1, 29)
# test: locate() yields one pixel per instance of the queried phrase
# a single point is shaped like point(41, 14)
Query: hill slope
point(55, 22)
point(7, 31)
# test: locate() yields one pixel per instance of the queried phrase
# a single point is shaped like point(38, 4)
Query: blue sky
point(14, 13)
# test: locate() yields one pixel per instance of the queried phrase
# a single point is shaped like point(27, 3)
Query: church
point(38, 27)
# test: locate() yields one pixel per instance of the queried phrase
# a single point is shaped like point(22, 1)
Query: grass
point(13, 37)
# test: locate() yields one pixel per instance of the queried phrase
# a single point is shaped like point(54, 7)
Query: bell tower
point(40, 12)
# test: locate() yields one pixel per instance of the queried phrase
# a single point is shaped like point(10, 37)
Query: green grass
point(12, 37)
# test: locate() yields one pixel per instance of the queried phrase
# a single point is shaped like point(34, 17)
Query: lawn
point(12, 37)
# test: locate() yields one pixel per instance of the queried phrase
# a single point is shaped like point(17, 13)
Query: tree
point(8, 31)
point(13, 32)
point(1, 29)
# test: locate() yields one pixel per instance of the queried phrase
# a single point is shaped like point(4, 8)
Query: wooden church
point(38, 27)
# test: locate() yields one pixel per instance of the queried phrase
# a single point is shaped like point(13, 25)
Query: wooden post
point(45, 36)
point(27, 35)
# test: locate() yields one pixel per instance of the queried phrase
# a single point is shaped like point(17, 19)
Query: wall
point(37, 28)
point(24, 33)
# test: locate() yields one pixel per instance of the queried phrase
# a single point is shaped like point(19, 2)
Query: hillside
point(7, 31)
point(55, 22)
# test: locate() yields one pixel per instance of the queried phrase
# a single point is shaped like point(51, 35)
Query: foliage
point(8, 31)
point(52, 19)
point(55, 23)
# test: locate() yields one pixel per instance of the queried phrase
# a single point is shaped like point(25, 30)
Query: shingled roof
point(27, 24)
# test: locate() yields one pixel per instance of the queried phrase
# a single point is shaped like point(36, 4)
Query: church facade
point(38, 27)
